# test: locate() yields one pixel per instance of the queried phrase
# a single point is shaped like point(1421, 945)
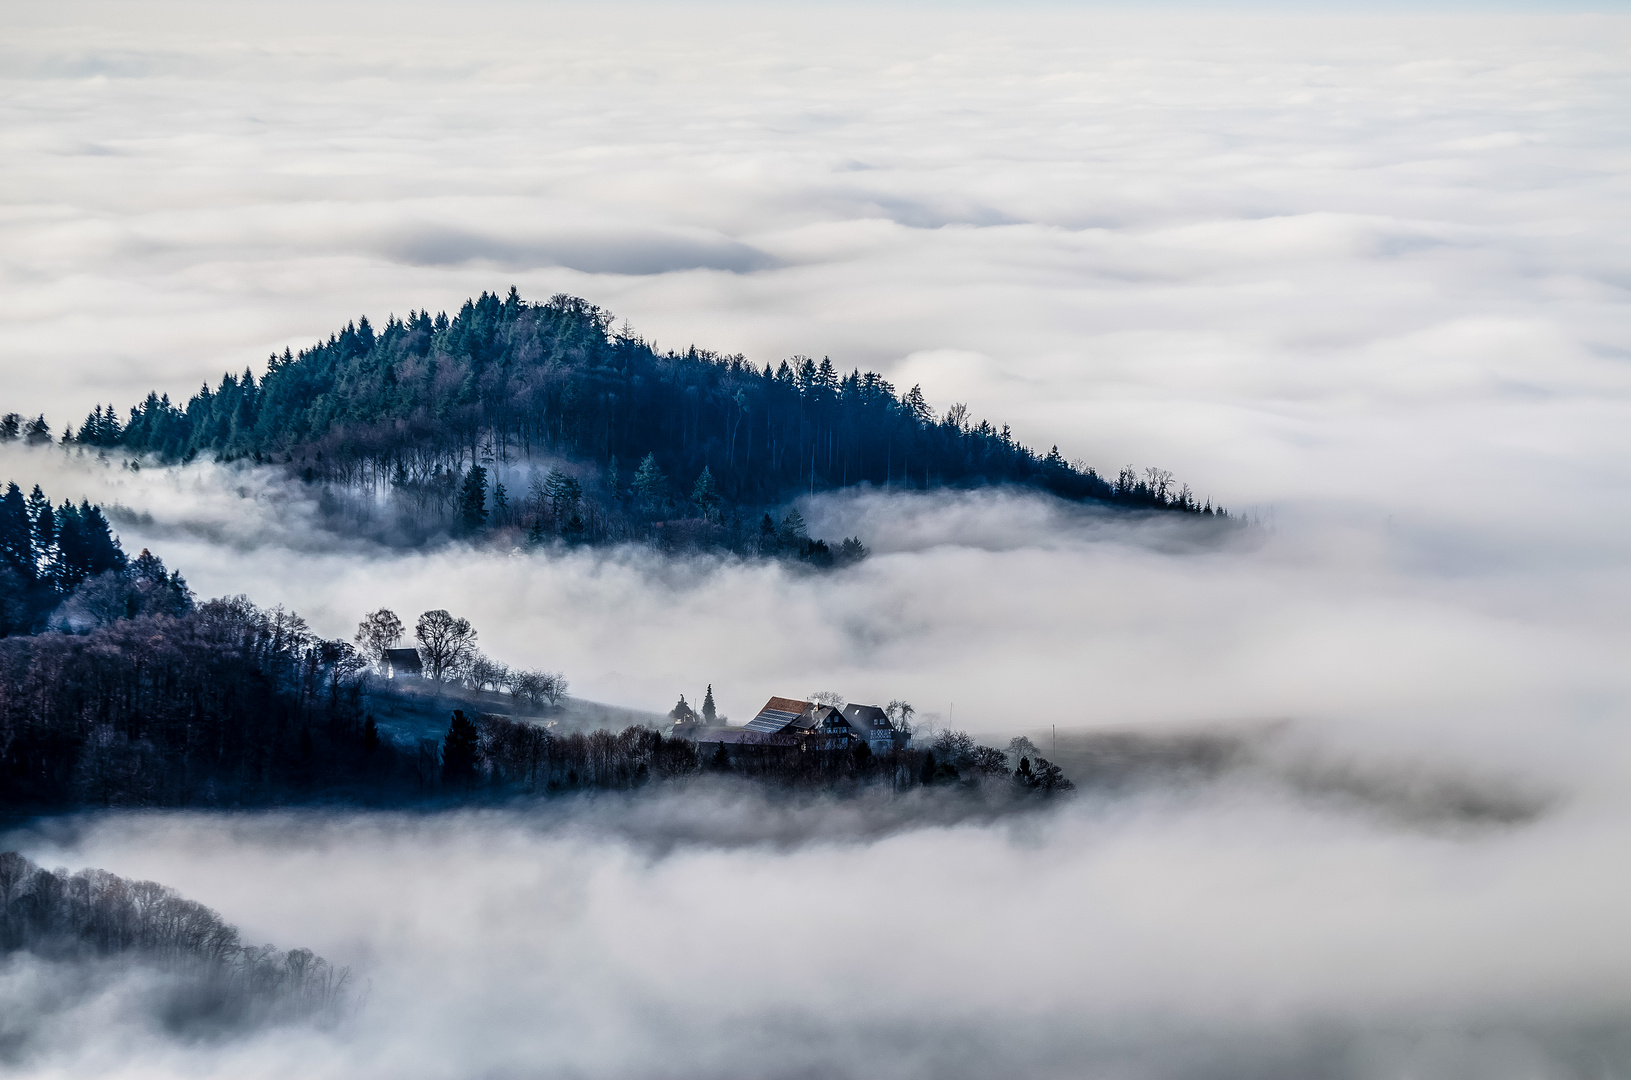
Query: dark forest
point(691, 445)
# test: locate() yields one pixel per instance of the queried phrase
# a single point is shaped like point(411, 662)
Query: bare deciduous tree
point(444, 642)
point(483, 673)
point(378, 631)
point(1021, 747)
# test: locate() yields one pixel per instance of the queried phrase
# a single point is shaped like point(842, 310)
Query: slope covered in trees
point(228, 704)
point(215, 979)
point(423, 402)
point(49, 553)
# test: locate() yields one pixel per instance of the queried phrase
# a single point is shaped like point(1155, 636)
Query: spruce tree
point(705, 494)
point(563, 493)
point(709, 713)
point(473, 499)
point(43, 524)
point(16, 535)
point(793, 530)
point(650, 484)
point(459, 750)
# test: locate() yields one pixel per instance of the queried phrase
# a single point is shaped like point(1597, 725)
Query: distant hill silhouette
point(645, 436)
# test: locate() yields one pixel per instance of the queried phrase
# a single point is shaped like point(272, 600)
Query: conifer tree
point(459, 750)
point(650, 484)
point(705, 494)
point(43, 524)
point(709, 713)
point(793, 529)
point(563, 493)
point(17, 535)
point(473, 499)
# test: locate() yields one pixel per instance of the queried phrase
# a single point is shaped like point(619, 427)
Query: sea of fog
point(1227, 932)
point(1362, 278)
point(1346, 903)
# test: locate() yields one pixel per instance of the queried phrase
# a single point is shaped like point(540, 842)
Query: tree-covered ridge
point(220, 980)
point(46, 552)
point(415, 403)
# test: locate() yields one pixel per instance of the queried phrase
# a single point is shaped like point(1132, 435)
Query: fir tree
point(705, 494)
point(792, 529)
point(459, 750)
point(650, 485)
point(43, 524)
point(473, 499)
point(709, 713)
point(563, 493)
point(17, 535)
point(501, 505)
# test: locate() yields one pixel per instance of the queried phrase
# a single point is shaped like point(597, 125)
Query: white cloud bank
point(1369, 273)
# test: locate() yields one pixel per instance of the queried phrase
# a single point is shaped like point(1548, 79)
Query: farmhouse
point(792, 723)
point(402, 663)
point(872, 726)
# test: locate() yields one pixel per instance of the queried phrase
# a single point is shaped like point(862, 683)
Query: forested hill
point(506, 380)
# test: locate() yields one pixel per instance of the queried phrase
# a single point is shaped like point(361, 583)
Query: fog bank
point(997, 610)
point(1214, 933)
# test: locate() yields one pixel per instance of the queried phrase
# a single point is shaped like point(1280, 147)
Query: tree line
point(497, 755)
point(47, 552)
point(447, 652)
point(141, 697)
point(95, 914)
point(424, 405)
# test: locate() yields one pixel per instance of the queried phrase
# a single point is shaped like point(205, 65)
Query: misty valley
point(130, 706)
point(1092, 547)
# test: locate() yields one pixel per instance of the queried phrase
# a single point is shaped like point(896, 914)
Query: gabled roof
point(866, 717)
point(812, 720)
point(404, 659)
point(778, 714)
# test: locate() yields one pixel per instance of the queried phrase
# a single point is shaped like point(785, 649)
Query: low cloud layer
point(1207, 933)
point(1000, 611)
point(1361, 277)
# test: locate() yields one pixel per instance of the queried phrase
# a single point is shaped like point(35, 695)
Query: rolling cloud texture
point(1364, 278)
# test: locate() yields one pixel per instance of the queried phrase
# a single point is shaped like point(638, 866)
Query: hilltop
point(614, 439)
